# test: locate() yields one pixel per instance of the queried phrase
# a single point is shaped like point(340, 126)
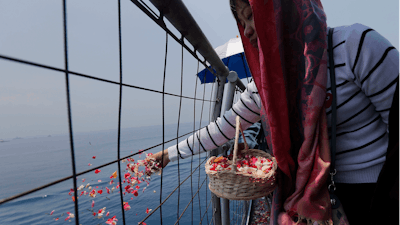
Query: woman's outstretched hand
point(159, 157)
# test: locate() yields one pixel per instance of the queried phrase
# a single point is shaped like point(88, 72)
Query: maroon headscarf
point(290, 72)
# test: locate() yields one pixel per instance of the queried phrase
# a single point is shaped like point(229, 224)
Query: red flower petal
point(97, 171)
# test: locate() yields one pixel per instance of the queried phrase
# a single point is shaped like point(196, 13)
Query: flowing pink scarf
point(290, 72)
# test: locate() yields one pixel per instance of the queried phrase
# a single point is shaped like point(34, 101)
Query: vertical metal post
point(226, 105)
point(219, 92)
point(227, 100)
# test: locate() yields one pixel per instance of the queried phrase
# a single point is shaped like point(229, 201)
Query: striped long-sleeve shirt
point(367, 69)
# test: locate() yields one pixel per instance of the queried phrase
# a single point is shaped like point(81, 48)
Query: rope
point(209, 203)
point(119, 113)
point(159, 20)
point(151, 213)
point(161, 23)
point(89, 76)
point(69, 112)
point(177, 131)
point(189, 203)
point(163, 121)
point(194, 128)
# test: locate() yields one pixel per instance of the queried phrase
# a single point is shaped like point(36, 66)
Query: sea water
point(31, 162)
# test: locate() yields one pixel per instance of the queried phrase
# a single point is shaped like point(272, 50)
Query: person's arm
point(219, 132)
point(375, 66)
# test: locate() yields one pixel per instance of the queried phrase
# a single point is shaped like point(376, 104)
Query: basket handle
point(236, 146)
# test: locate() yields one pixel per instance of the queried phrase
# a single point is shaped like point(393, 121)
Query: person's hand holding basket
point(245, 176)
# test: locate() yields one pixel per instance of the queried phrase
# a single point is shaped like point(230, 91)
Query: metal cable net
point(127, 203)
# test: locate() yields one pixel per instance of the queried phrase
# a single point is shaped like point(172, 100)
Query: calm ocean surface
point(31, 162)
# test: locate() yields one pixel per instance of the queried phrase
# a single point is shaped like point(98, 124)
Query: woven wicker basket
point(236, 185)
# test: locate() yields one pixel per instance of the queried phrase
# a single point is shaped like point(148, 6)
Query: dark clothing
point(385, 203)
point(355, 199)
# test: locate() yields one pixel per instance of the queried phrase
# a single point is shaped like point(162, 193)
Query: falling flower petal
point(126, 206)
point(114, 175)
point(51, 212)
point(70, 215)
point(148, 210)
point(99, 181)
point(112, 220)
point(56, 219)
point(97, 171)
point(94, 157)
point(83, 180)
point(89, 164)
point(108, 213)
point(92, 203)
point(73, 198)
point(100, 191)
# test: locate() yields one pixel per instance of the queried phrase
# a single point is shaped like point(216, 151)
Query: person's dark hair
point(233, 7)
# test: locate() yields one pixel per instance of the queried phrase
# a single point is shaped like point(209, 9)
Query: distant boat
point(1, 140)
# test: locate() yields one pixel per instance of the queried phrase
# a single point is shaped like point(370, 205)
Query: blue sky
point(33, 102)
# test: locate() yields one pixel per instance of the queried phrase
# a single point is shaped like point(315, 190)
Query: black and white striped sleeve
point(223, 129)
point(374, 63)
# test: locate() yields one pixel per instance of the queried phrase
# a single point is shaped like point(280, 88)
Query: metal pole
point(226, 105)
point(219, 90)
point(227, 101)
